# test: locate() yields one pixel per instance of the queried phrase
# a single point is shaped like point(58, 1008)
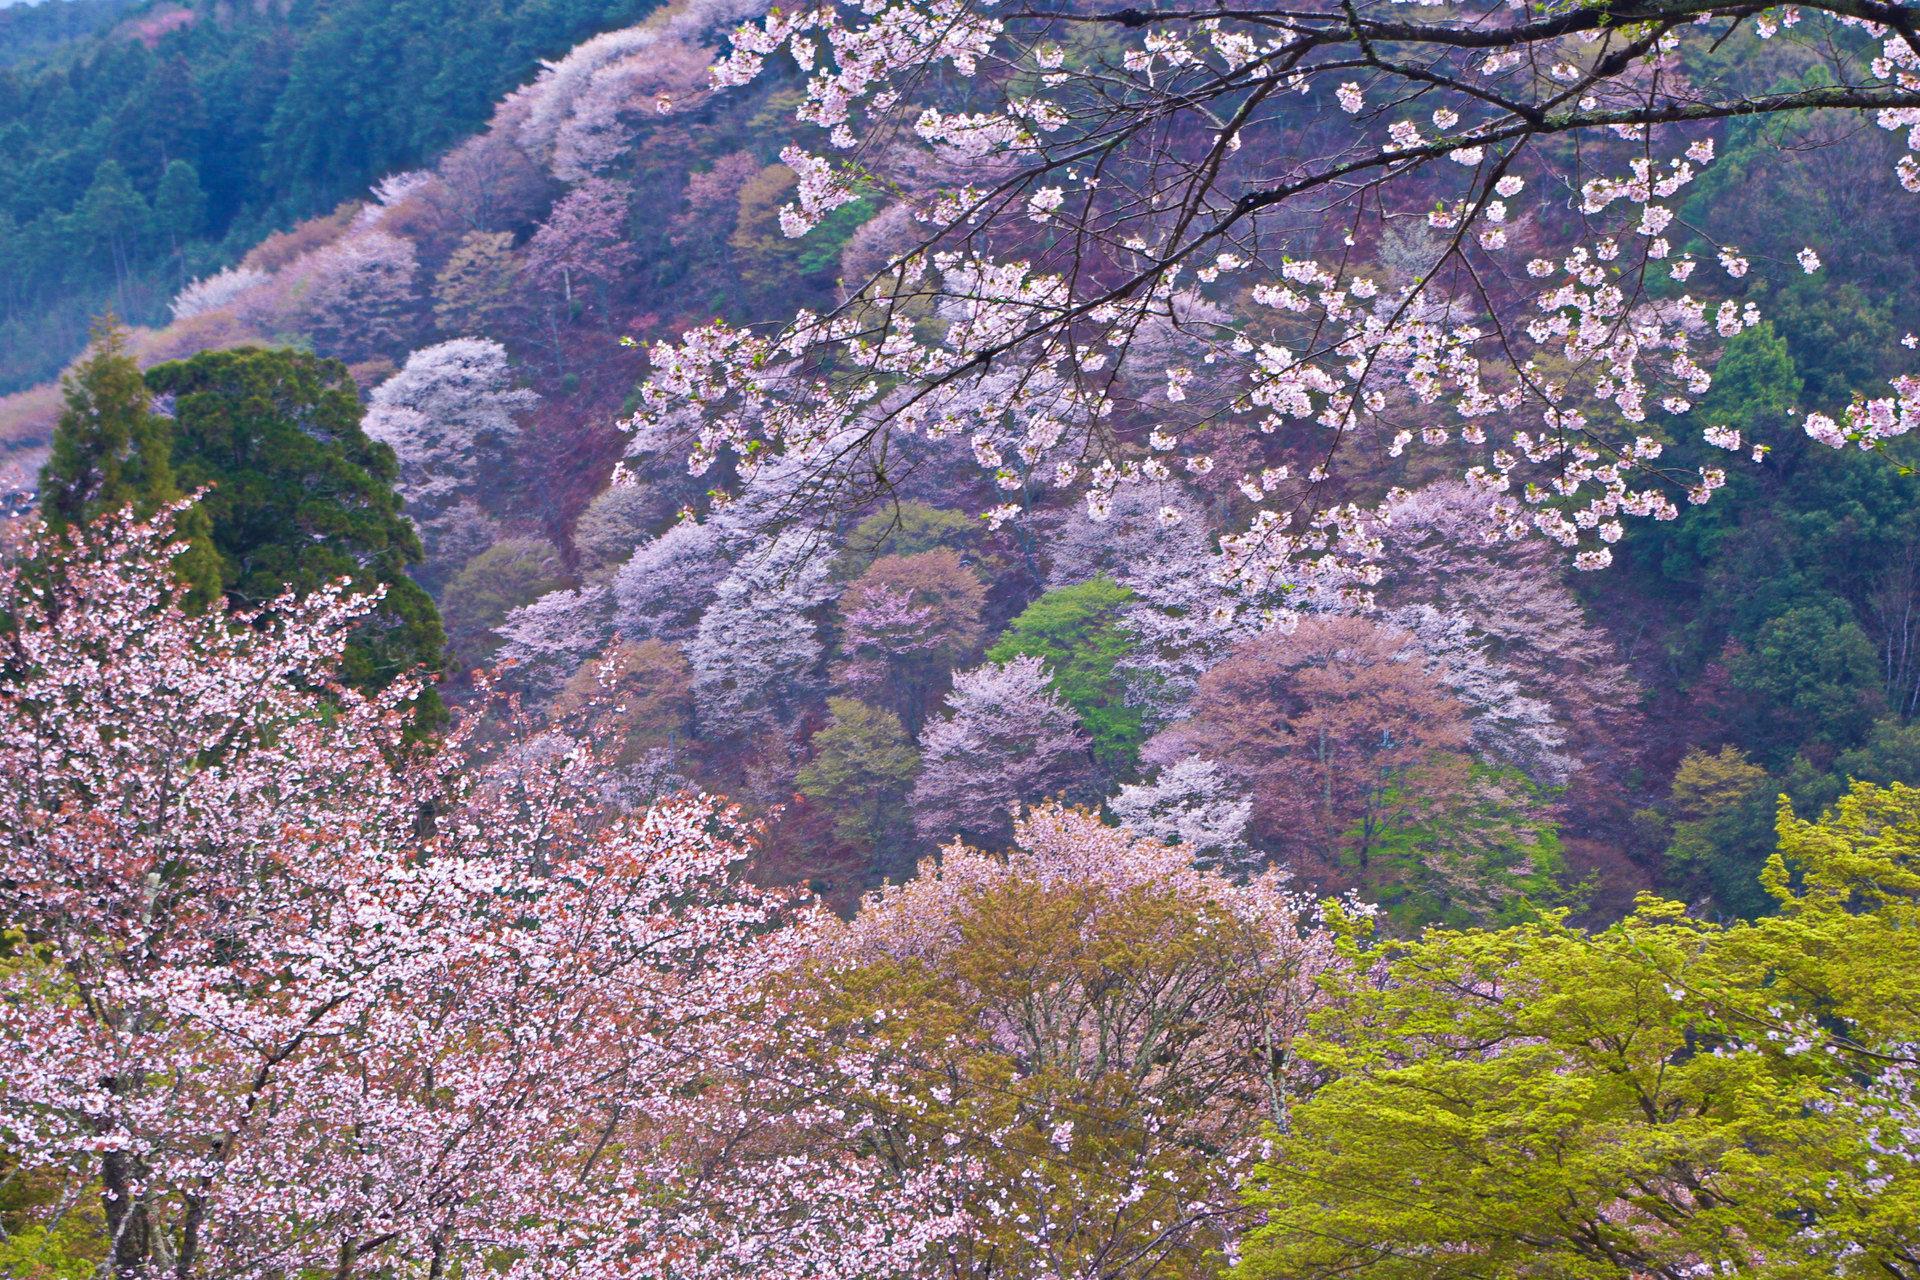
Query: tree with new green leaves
point(299, 496)
point(903, 529)
point(1077, 632)
point(1834, 968)
point(1722, 810)
point(1466, 843)
point(1087, 1035)
point(110, 450)
point(1846, 939)
point(771, 263)
point(862, 768)
point(633, 702)
point(619, 519)
point(1540, 1102)
point(1666, 1098)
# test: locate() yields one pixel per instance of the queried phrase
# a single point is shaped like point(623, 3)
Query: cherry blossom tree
point(1524, 620)
point(187, 843)
point(1130, 172)
point(547, 640)
point(216, 292)
point(1088, 1036)
point(758, 650)
point(1507, 724)
point(1009, 741)
point(1149, 529)
point(583, 239)
point(1191, 802)
point(451, 414)
point(358, 296)
point(668, 582)
point(905, 622)
point(298, 998)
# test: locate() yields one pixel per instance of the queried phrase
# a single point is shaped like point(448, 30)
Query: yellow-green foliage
point(1664, 1095)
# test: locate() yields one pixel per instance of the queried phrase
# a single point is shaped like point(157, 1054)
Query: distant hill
point(143, 145)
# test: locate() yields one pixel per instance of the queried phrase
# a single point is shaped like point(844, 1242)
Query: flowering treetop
point(1149, 233)
point(292, 995)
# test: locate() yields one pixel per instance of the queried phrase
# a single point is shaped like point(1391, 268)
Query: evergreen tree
point(110, 450)
point(180, 205)
point(113, 215)
point(103, 453)
point(300, 496)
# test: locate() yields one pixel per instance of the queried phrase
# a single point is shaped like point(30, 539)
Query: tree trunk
point(128, 1229)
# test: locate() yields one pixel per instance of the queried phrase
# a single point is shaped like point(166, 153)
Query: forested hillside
point(143, 145)
point(900, 640)
point(1610, 732)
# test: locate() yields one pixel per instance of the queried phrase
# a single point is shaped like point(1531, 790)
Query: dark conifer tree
point(299, 496)
point(111, 450)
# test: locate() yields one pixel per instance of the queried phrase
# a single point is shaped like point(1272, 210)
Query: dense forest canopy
point(172, 138)
point(932, 639)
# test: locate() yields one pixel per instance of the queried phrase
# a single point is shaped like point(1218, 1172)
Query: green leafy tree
point(1076, 631)
point(904, 529)
point(862, 768)
point(508, 574)
point(1464, 849)
point(113, 215)
point(1722, 810)
point(299, 496)
point(1891, 753)
point(110, 450)
point(1817, 674)
point(1755, 386)
point(1667, 1097)
point(634, 702)
point(1537, 1102)
point(771, 264)
point(1846, 940)
point(1090, 1035)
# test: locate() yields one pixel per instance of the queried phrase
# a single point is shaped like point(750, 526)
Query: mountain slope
point(136, 158)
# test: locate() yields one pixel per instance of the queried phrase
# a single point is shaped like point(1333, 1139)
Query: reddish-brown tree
point(1322, 722)
point(906, 622)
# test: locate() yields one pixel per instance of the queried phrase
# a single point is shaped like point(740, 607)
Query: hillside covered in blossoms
point(936, 638)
